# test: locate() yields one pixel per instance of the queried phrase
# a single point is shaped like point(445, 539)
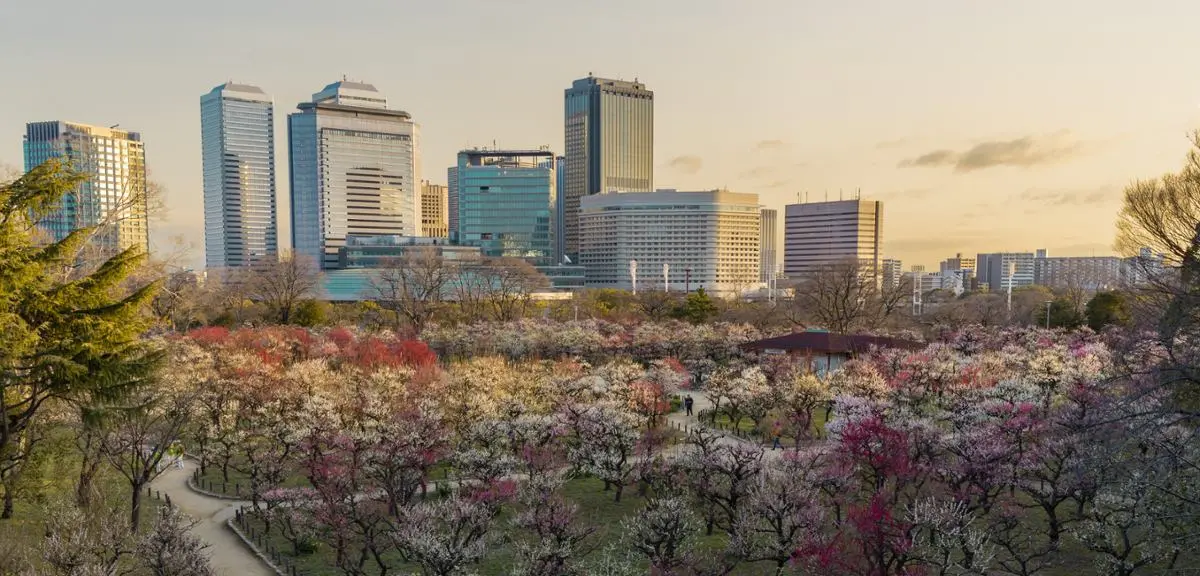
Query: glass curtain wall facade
point(237, 131)
point(609, 130)
point(354, 170)
point(506, 203)
point(112, 199)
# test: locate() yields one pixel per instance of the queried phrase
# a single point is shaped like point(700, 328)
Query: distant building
point(768, 245)
point(355, 170)
point(505, 203)
point(707, 239)
point(452, 200)
point(892, 270)
point(237, 134)
point(817, 234)
point(112, 199)
point(998, 269)
point(1091, 273)
point(962, 267)
point(435, 221)
point(560, 215)
point(1145, 266)
point(609, 129)
point(377, 251)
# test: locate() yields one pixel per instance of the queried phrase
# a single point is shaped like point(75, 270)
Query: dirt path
point(229, 555)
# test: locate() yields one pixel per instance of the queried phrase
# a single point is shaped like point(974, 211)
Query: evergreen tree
point(64, 336)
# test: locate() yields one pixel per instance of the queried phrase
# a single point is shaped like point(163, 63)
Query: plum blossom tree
point(606, 440)
point(446, 536)
point(664, 532)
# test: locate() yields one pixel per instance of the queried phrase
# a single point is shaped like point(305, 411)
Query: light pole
point(1048, 303)
point(666, 277)
point(1012, 268)
point(687, 280)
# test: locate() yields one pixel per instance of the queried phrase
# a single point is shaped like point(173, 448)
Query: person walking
point(687, 404)
point(777, 432)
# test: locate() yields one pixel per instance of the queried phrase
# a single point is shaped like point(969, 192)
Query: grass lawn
point(746, 427)
point(597, 509)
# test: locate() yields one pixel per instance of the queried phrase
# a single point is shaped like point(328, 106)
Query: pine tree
point(69, 337)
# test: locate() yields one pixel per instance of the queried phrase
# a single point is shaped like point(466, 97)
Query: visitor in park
point(687, 404)
point(777, 432)
point(176, 454)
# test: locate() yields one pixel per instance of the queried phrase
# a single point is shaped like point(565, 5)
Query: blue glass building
point(112, 199)
point(505, 203)
point(355, 170)
point(237, 133)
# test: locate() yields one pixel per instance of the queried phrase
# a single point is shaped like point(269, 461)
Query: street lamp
point(687, 280)
point(1048, 303)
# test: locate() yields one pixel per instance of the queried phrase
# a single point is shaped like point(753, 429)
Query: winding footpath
point(230, 556)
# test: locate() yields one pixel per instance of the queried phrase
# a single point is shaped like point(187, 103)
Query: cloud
point(686, 164)
point(1021, 152)
point(1070, 197)
point(935, 158)
point(771, 145)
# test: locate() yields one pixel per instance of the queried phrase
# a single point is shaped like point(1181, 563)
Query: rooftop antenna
point(840, 197)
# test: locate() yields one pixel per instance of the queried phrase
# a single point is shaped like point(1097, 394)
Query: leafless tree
point(845, 296)
point(139, 437)
point(413, 287)
point(509, 286)
point(281, 284)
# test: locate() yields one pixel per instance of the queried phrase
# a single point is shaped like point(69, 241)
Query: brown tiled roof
point(829, 343)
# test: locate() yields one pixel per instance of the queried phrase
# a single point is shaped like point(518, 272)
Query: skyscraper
point(434, 217)
point(768, 243)
point(708, 239)
point(892, 270)
point(822, 233)
point(112, 199)
point(237, 135)
point(609, 129)
point(355, 170)
point(505, 202)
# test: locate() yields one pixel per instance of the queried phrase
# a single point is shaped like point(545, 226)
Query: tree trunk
point(619, 490)
point(135, 514)
point(7, 511)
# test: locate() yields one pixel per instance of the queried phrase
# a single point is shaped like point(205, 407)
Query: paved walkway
point(229, 555)
point(700, 403)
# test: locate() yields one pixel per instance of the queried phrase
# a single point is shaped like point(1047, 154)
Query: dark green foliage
point(66, 334)
point(311, 313)
point(1063, 314)
point(697, 308)
point(1107, 309)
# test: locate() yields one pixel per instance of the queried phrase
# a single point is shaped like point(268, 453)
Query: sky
point(983, 126)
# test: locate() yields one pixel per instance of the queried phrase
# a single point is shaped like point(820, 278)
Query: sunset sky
point(983, 126)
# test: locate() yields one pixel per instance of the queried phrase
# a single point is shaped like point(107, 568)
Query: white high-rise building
point(113, 198)
point(999, 270)
point(707, 240)
point(355, 170)
point(237, 135)
point(818, 234)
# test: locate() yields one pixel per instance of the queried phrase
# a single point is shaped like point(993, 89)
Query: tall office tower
point(994, 270)
point(821, 233)
point(707, 239)
point(768, 243)
point(962, 267)
point(237, 135)
point(452, 200)
point(112, 199)
point(506, 203)
point(892, 270)
point(609, 131)
point(434, 214)
point(560, 215)
point(355, 170)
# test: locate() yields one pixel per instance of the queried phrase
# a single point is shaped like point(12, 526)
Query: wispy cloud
point(686, 164)
point(1071, 197)
point(771, 145)
point(1021, 152)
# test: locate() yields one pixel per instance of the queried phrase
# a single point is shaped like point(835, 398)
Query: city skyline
point(932, 113)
